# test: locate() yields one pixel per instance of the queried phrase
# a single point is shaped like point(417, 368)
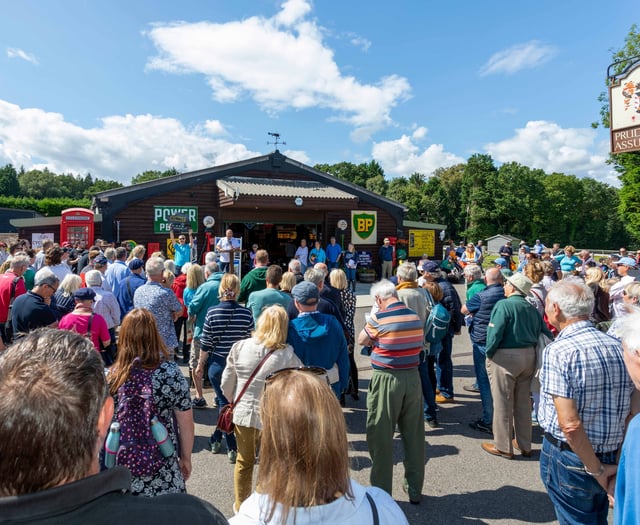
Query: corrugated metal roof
point(238, 186)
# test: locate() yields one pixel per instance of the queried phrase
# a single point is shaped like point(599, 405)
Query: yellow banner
point(422, 242)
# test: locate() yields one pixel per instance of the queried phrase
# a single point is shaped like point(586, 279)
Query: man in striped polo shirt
point(395, 333)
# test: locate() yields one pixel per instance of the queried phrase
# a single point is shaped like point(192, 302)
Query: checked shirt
point(586, 365)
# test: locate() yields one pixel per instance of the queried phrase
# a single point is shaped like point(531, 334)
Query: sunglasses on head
point(315, 370)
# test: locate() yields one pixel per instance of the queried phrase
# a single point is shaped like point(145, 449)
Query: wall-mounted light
point(298, 201)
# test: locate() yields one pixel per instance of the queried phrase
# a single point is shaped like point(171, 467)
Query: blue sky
point(115, 88)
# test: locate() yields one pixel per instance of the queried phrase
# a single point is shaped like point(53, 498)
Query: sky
point(116, 88)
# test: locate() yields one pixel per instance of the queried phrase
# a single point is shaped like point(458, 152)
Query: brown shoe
point(525, 453)
point(441, 399)
point(491, 449)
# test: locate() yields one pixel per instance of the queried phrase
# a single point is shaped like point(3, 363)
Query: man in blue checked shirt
point(585, 399)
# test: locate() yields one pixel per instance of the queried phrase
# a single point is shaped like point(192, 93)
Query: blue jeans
point(444, 368)
point(224, 266)
point(578, 499)
point(216, 366)
point(332, 265)
point(351, 277)
point(428, 392)
point(480, 366)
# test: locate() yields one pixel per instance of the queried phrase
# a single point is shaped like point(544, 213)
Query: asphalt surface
point(463, 484)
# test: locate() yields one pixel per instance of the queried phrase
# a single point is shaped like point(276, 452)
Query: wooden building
point(272, 201)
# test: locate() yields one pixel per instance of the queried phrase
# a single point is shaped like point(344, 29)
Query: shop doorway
point(279, 239)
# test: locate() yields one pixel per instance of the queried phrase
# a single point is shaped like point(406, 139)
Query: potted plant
point(366, 275)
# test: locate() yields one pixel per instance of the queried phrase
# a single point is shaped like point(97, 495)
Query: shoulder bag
point(225, 416)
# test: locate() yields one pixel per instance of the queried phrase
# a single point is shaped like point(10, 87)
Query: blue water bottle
point(112, 444)
point(161, 436)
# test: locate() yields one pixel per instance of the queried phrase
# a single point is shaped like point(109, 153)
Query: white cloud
point(119, 148)
point(215, 127)
point(299, 155)
point(403, 157)
point(360, 41)
point(281, 63)
point(547, 146)
point(14, 52)
point(518, 57)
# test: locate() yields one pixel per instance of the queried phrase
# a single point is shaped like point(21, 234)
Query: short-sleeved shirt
point(162, 303)
point(587, 366)
point(222, 246)
point(30, 312)
point(170, 393)
point(183, 253)
point(397, 334)
point(80, 324)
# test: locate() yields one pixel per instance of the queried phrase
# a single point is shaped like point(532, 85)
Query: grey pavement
point(463, 484)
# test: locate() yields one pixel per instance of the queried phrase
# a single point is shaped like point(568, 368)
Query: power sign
point(178, 217)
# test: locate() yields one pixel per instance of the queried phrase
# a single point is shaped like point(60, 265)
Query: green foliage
point(9, 181)
point(478, 185)
point(153, 175)
point(355, 173)
point(48, 206)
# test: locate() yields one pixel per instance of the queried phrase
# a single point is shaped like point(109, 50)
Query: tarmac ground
point(463, 484)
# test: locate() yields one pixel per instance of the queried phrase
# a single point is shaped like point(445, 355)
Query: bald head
point(493, 276)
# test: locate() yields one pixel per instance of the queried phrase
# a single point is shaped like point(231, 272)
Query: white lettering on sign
point(165, 214)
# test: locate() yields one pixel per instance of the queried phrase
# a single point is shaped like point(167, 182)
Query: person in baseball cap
point(305, 293)
point(626, 261)
point(84, 294)
point(135, 264)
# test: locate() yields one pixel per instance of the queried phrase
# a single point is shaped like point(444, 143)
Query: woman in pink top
point(84, 322)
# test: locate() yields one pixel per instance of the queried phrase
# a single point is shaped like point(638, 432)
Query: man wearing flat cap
point(512, 335)
point(317, 338)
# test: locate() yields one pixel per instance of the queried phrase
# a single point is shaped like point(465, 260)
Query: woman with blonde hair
point(338, 280)
point(64, 301)
point(140, 345)
point(137, 252)
point(225, 324)
point(568, 261)
point(270, 338)
point(304, 460)
point(595, 279)
point(288, 282)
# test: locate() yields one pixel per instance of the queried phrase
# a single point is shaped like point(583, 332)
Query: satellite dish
point(208, 221)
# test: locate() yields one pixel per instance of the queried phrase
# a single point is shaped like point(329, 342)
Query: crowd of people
point(552, 335)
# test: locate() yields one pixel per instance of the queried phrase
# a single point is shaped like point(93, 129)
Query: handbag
point(225, 416)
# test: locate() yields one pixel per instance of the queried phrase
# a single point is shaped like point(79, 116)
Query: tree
point(443, 201)
point(627, 164)
point(478, 183)
point(153, 175)
point(9, 185)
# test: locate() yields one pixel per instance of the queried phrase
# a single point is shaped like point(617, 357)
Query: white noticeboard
point(37, 238)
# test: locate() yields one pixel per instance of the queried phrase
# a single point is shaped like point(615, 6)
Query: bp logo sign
point(364, 227)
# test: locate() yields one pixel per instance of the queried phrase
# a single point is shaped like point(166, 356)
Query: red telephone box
point(76, 226)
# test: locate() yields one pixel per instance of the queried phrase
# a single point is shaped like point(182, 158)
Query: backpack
point(138, 450)
point(437, 324)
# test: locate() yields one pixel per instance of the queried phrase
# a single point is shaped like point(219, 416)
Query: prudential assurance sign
point(624, 102)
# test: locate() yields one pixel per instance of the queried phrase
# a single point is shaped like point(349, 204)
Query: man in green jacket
point(512, 336)
point(255, 280)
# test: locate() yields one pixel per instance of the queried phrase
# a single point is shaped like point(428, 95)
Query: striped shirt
point(397, 334)
point(586, 365)
point(225, 324)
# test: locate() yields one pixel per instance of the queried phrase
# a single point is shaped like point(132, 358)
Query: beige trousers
point(510, 372)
